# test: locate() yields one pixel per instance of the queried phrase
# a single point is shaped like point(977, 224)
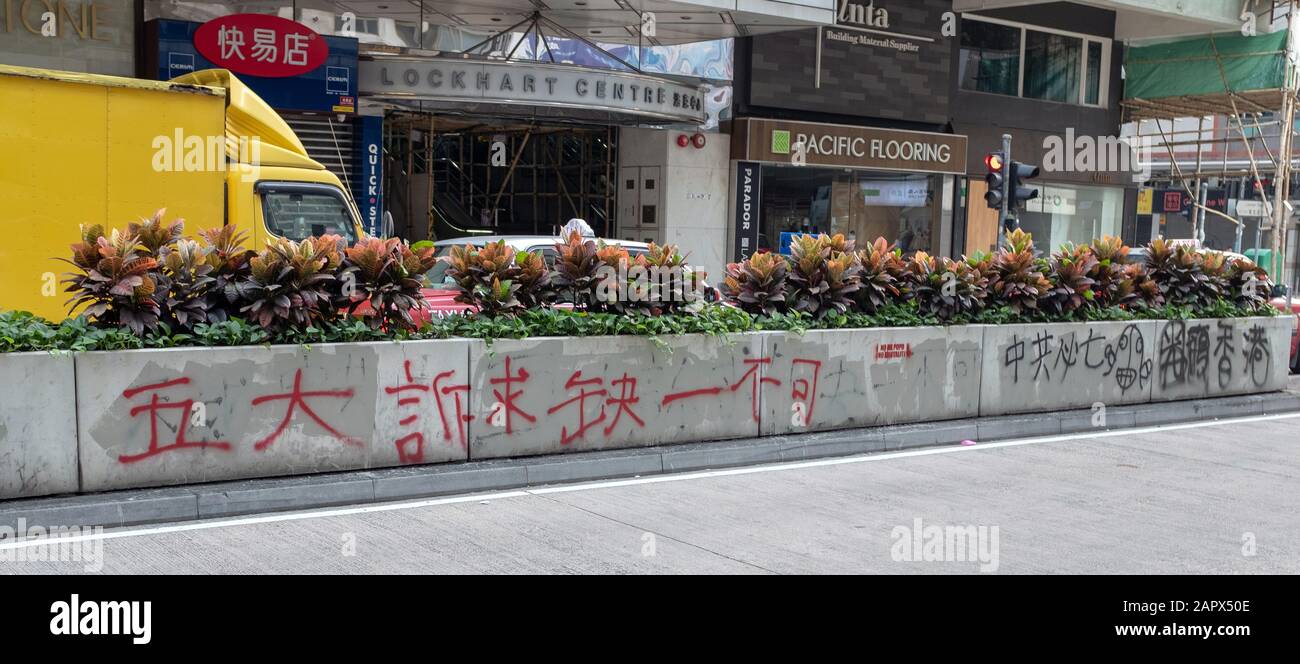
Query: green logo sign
point(781, 141)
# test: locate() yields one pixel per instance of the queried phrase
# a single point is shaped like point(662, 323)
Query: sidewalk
point(225, 499)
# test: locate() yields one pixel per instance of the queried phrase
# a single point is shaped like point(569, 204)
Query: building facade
point(846, 129)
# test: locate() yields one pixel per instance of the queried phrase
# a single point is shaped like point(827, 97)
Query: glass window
point(1053, 64)
point(990, 57)
point(297, 215)
point(1093, 95)
point(1072, 213)
point(904, 208)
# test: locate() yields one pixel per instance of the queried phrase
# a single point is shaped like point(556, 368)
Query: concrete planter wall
point(572, 394)
point(156, 417)
point(837, 379)
point(111, 420)
point(38, 425)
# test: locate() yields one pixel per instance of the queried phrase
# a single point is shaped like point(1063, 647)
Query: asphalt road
point(1215, 497)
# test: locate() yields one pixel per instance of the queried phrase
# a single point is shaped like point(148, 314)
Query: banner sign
point(748, 197)
point(326, 83)
point(370, 185)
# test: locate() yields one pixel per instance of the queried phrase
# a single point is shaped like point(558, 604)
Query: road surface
point(1210, 497)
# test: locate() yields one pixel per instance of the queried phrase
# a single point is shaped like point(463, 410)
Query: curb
point(226, 499)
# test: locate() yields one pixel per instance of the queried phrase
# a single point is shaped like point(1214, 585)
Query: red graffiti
point(575, 381)
point(461, 416)
point(802, 390)
point(154, 407)
point(624, 401)
point(415, 440)
point(751, 373)
point(506, 400)
point(298, 400)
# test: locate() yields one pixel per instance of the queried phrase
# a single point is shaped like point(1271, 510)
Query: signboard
point(1247, 208)
point(1178, 201)
point(531, 84)
point(1146, 198)
point(172, 49)
point(849, 146)
point(1054, 200)
point(261, 45)
point(369, 185)
point(748, 197)
point(896, 193)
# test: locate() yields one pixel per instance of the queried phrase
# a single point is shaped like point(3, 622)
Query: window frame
point(1103, 88)
point(263, 188)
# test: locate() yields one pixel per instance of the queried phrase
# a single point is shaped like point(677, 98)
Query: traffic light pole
point(1006, 185)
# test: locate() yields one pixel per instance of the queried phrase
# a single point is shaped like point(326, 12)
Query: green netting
point(1187, 67)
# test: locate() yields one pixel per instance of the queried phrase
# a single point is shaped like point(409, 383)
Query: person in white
point(582, 227)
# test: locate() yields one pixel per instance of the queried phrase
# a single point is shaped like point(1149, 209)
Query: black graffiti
point(1184, 354)
point(1259, 356)
point(1135, 368)
point(1124, 358)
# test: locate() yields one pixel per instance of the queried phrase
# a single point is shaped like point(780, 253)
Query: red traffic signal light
point(993, 161)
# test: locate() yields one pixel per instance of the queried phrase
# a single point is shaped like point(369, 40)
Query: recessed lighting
point(595, 32)
point(686, 18)
point(580, 3)
point(495, 20)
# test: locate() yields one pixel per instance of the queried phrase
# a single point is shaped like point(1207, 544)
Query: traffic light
point(1018, 192)
point(996, 164)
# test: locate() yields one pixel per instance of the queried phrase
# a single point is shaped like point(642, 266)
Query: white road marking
point(653, 479)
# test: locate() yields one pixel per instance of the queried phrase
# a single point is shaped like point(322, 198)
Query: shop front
point(511, 147)
point(862, 182)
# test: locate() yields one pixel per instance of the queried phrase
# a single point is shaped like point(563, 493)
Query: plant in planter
point(486, 277)
point(822, 280)
point(189, 278)
point(1179, 271)
point(1248, 284)
point(1113, 287)
point(226, 254)
point(1018, 279)
point(536, 288)
point(880, 273)
point(1071, 280)
point(943, 288)
point(116, 280)
point(386, 274)
point(289, 286)
point(757, 284)
point(576, 268)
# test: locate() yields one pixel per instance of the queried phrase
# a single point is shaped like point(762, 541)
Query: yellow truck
point(85, 149)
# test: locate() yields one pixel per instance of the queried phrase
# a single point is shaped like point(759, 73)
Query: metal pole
point(1004, 213)
point(1198, 214)
point(1241, 223)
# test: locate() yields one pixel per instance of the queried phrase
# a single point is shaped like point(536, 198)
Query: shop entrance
point(451, 176)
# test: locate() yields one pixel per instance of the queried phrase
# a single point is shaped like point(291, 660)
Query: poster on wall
point(893, 193)
point(748, 198)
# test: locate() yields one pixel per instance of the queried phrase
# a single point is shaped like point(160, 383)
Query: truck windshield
point(297, 215)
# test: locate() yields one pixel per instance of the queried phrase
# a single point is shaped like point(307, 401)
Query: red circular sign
point(261, 45)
